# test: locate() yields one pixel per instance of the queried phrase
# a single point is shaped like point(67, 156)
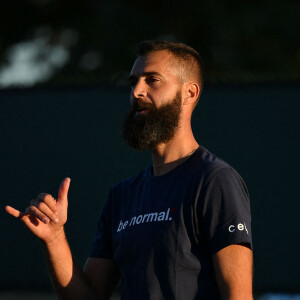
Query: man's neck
point(169, 156)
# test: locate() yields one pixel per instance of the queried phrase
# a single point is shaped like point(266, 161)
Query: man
point(180, 229)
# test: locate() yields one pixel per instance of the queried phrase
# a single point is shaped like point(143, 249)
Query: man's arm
point(97, 280)
point(67, 277)
point(45, 218)
point(103, 276)
point(233, 268)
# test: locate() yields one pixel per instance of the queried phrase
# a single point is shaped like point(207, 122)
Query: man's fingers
point(33, 211)
point(63, 190)
point(42, 211)
point(41, 196)
point(44, 207)
point(27, 219)
point(14, 212)
point(51, 202)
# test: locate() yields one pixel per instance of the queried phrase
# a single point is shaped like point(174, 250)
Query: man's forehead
point(158, 61)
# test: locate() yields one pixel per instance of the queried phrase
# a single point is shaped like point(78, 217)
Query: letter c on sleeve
point(231, 228)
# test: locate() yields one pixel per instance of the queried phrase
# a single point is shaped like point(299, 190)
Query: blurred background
point(64, 69)
point(54, 43)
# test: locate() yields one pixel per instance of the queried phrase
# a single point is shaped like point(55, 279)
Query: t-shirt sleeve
point(102, 246)
point(226, 210)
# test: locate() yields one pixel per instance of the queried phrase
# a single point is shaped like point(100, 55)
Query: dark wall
point(46, 135)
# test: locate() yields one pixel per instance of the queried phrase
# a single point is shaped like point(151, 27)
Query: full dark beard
point(158, 125)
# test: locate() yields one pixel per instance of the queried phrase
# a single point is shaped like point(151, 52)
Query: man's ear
point(191, 91)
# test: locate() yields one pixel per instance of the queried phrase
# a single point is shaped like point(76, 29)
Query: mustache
point(138, 104)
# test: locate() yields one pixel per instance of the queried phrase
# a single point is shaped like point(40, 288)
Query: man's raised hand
point(45, 217)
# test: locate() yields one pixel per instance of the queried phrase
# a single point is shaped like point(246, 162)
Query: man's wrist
point(56, 239)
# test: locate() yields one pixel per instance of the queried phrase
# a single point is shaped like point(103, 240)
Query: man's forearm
point(67, 277)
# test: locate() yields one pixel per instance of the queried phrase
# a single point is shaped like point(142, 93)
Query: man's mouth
point(142, 110)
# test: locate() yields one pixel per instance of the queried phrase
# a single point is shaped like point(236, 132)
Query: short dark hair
point(188, 58)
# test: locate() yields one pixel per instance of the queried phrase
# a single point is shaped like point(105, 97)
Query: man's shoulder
point(207, 167)
point(214, 169)
point(208, 162)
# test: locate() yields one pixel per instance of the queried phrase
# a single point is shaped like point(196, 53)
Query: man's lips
point(141, 111)
point(141, 107)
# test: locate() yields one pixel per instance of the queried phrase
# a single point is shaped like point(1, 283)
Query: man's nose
point(139, 90)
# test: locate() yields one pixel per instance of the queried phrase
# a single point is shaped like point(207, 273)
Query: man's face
point(155, 102)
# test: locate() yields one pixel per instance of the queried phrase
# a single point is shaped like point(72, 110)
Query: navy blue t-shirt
point(163, 230)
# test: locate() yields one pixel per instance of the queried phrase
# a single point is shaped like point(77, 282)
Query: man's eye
point(152, 79)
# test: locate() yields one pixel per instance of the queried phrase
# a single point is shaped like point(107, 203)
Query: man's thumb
point(63, 190)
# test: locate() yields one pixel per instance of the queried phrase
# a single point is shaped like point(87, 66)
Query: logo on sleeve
point(240, 227)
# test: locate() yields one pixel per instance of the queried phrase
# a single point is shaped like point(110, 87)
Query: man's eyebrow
point(132, 77)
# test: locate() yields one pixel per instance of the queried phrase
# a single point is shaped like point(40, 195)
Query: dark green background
point(46, 135)
point(249, 41)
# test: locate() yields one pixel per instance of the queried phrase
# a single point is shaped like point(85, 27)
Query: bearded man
point(180, 229)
